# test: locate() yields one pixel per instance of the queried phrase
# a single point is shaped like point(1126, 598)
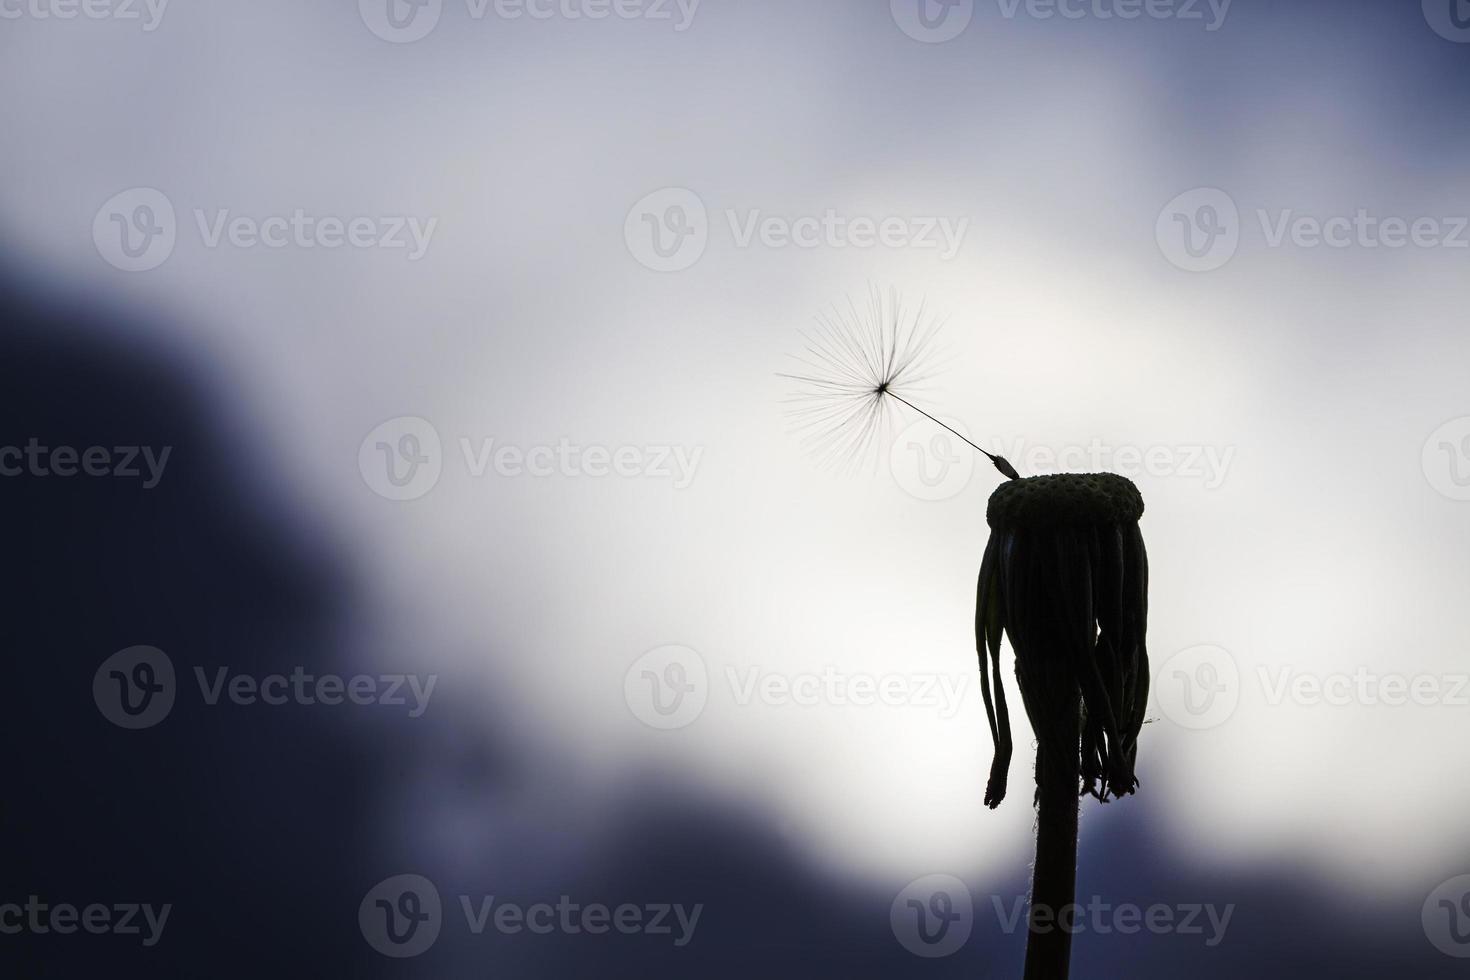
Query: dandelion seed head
point(857, 354)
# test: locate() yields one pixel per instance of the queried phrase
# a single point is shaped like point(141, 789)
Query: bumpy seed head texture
point(1065, 576)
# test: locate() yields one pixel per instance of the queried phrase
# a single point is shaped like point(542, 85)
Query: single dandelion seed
point(857, 357)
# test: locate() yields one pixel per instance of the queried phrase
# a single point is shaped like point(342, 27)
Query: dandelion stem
point(1001, 463)
point(1054, 882)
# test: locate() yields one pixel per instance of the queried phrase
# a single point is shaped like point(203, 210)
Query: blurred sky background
point(1305, 404)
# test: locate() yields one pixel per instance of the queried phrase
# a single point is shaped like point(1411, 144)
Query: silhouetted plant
point(1064, 576)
